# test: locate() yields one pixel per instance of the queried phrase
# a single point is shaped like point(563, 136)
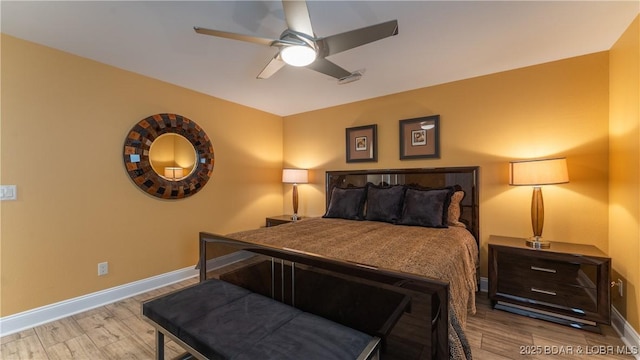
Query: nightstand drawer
point(557, 272)
point(575, 299)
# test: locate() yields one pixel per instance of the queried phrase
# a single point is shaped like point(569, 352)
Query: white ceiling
point(438, 42)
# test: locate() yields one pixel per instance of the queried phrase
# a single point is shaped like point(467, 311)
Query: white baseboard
point(25, 320)
point(627, 333)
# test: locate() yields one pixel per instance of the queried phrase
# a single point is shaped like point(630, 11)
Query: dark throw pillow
point(346, 203)
point(428, 208)
point(384, 203)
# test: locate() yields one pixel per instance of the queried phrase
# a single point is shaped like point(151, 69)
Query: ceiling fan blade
point(234, 36)
point(328, 68)
point(296, 14)
point(354, 38)
point(272, 67)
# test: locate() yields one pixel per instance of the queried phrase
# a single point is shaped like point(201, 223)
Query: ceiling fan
point(299, 46)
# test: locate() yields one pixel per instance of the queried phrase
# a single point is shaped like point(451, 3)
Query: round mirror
point(168, 156)
point(172, 156)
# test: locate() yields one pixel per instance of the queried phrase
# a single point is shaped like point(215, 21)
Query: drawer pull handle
point(547, 292)
point(553, 271)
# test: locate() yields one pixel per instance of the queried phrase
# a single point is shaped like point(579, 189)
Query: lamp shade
point(538, 172)
point(295, 176)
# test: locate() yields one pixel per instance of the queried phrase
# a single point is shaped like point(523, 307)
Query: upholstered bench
point(218, 320)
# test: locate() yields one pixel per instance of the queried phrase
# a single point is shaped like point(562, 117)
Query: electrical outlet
point(103, 268)
point(620, 287)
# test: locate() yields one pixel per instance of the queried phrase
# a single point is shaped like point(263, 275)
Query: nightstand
point(278, 220)
point(567, 283)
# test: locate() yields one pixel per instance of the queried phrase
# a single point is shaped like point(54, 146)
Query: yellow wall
point(558, 108)
point(64, 121)
point(624, 177)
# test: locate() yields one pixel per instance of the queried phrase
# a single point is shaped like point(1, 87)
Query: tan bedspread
point(445, 254)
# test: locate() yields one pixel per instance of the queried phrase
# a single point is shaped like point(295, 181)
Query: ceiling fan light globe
point(298, 55)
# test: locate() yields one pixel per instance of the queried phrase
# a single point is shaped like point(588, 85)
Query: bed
point(411, 223)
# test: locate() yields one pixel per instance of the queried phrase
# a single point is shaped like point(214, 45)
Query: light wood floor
point(116, 331)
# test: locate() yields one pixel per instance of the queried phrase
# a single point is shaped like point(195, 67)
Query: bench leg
point(371, 351)
point(375, 355)
point(159, 345)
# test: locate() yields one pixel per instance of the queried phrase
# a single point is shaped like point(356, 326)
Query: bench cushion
point(175, 309)
point(309, 337)
point(225, 321)
point(233, 328)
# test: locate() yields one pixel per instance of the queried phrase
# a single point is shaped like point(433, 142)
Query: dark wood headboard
point(465, 177)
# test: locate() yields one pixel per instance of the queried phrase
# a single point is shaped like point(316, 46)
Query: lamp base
point(536, 242)
point(295, 217)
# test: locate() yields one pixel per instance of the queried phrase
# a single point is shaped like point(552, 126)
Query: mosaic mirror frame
point(138, 165)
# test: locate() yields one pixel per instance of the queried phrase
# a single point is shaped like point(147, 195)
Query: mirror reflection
point(172, 156)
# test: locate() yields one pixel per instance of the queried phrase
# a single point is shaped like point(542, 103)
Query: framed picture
point(420, 138)
point(361, 143)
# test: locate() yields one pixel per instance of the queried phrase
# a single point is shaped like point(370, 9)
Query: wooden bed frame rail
point(421, 299)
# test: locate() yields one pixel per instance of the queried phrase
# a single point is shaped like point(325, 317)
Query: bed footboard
point(409, 313)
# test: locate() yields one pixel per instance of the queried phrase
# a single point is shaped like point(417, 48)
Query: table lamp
point(536, 173)
point(295, 177)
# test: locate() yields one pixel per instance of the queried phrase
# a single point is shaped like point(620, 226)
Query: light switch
point(8, 192)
